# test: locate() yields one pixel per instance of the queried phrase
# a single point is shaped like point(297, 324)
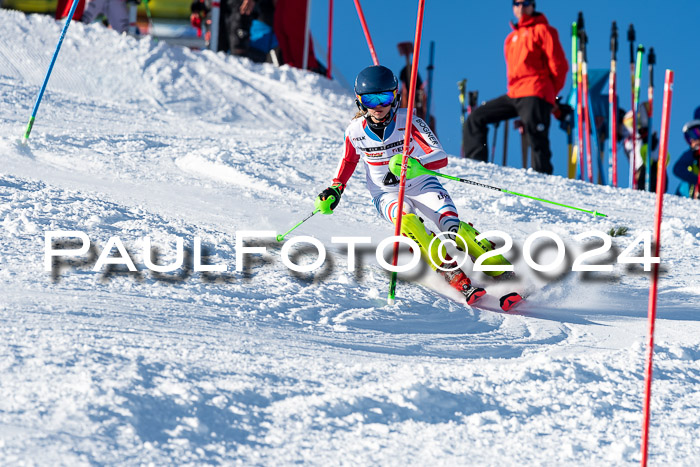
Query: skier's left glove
point(328, 199)
point(413, 167)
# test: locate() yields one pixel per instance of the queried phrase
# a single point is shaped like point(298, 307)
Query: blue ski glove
point(328, 199)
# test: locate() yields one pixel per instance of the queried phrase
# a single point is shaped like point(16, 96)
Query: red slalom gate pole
point(330, 37)
point(406, 141)
point(370, 44)
point(583, 39)
point(653, 290)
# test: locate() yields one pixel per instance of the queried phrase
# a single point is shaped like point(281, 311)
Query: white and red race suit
point(423, 193)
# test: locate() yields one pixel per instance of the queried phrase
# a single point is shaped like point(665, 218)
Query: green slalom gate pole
point(651, 61)
point(415, 169)
point(281, 237)
point(637, 87)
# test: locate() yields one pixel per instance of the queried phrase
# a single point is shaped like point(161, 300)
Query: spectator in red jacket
point(537, 70)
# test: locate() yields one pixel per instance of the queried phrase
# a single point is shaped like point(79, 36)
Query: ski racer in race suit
point(688, 166)
point(374, 139)
point(537, 69)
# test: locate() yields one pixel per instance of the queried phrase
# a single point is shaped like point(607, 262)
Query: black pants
point(234, 28)
point(535, 114)
point(641, 175)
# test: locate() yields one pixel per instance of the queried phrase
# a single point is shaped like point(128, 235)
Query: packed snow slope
point(137, 139)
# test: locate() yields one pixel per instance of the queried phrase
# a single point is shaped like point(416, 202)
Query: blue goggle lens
point(525, 3)
point(692, 134)
point(377, 99)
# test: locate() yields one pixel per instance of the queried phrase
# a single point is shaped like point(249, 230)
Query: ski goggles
point(376, 99)
point(692, 134)
point(524, 3)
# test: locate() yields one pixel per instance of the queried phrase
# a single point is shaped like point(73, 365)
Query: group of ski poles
point(579, 39)
point(580, 158)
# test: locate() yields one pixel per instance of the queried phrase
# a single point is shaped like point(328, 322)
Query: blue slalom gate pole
point(30, 124)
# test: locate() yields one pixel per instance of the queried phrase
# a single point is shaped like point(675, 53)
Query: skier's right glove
point(328, 199)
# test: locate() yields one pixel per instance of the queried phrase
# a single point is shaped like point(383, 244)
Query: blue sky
point(469, 37)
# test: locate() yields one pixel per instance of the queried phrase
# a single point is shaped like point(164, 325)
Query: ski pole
point(495, 138)
point(574, 90)
point(612, 100)
point(281, 237)
point(415, 169)
point(651, 60)
point(637, 86)
point(524, 144)
point(430, 83)
point(462, 87)
point(330, 39)
point(505, 142)
point(586, 107)
point(30, 124)
point(579, 106)
point(631, 37)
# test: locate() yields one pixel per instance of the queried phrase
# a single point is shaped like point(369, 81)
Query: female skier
point(378, 136)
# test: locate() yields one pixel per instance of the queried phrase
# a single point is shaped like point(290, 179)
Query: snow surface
point(137, 139)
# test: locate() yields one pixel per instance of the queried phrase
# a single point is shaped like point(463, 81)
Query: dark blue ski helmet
point(375, 79)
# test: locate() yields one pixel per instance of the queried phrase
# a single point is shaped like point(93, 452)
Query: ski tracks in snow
point(138, 139)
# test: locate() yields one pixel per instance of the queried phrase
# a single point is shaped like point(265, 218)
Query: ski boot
point(510, 300)
point(467, 234)
point(457, 279)
point(413, 227)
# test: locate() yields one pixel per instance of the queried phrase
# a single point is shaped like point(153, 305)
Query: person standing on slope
point(641, 146)
point(688, 166)
point(537, 70)
point(115, 10)
point(375, 135)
